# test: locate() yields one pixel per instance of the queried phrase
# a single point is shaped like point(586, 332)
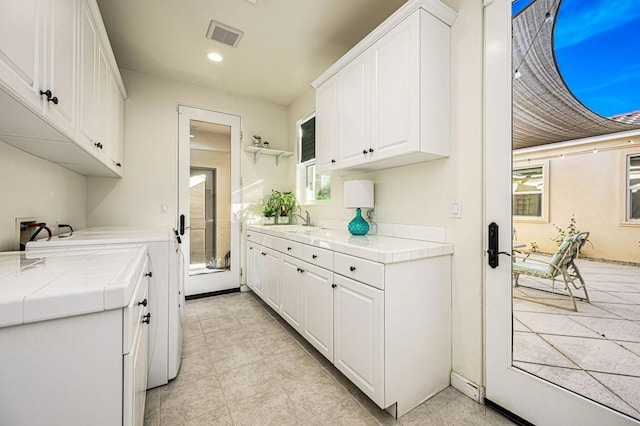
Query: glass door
point(209, 193)
point(516, 366)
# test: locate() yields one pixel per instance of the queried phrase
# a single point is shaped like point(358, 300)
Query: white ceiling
point(286, 43)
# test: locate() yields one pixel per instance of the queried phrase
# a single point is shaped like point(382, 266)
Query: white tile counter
point(377, 248)
point(44, 285)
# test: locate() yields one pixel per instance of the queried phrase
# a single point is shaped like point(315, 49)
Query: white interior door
point(526, 395)
point(209, 140)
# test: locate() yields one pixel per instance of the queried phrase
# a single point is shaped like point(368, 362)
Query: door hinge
point(241, 272)
point(241, 136)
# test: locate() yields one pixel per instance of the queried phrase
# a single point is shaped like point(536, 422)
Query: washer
point(166, 287)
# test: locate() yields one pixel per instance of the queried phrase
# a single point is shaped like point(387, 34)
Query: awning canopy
point(544, 109)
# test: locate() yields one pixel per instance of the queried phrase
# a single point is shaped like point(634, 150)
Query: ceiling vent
point(224, 34)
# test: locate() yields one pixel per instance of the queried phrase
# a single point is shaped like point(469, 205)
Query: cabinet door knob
point(143, 303)
point(146, 318)
point(263, 253)
point(364, 151)
point(148, 274)
point(98, 145)
point(352, 268)
point(370, 149)
point(314, 256)
point(289, 248)
point(334, 285)
point(333, 161)
point(54, 100)
point(301, 271)
point(250, 248)
point(119, 164)
point(46, 93)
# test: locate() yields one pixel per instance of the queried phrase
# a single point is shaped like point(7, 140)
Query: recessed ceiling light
point(215, 57)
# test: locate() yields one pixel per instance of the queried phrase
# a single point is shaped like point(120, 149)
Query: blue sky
point(597, 47)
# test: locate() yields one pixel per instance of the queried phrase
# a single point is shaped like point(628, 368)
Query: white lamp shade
point(358, 194)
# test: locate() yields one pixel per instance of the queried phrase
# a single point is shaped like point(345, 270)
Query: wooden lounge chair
point(561, 265)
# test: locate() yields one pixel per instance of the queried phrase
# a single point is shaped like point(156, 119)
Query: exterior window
point(311, 186)
point(633, 188)
point(528, 192)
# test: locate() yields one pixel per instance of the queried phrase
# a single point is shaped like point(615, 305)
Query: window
point(311, 186)
point(633, 187)
point(529, 192)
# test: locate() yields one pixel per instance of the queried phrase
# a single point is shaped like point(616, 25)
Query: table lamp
point(358, 194)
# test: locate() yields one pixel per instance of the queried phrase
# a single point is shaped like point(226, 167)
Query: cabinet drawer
point(289, 247)
point(366, 271)
point(133, 313)
point(317, 256)
point(256, 237)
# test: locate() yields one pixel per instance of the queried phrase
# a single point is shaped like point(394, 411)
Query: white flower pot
point(268, 220)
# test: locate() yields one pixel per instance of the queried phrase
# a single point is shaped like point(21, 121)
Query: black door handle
point(181, 224)
point(494, 250)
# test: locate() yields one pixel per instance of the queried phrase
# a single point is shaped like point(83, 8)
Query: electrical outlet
point(23, 233)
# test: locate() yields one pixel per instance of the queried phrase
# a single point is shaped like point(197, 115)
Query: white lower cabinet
point(317, 308)
point(291, 285)
point(270, 263)
point(359, 335)
point(385, 326)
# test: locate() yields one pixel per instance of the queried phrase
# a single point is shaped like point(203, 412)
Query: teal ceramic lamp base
point(358, 226)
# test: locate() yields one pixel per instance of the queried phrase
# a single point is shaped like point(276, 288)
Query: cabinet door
point(317, 296)
point(395, 103)
point(271, 283)
point(61, 73)
point(359, 336)
point(135, 379)
point(327, 126)
point(21, 38)
point(88, 127)
point(118, 127)
point(103, 105)
point(291, 286)
point(253, 268)
point(354, 90)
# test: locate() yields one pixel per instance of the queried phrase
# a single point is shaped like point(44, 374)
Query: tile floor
point(594, 351)
point(243, 365)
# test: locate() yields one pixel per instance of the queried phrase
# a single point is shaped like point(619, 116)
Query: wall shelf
point(257, 151)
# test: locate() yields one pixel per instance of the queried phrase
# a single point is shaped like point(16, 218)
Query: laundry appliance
point(166, 286)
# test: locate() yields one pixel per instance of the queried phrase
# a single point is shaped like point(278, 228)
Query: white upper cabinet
point(60, 76)
point(354, 93)
point(327, 126)
point(21, 39)
point(61, 93)
point(393, 91)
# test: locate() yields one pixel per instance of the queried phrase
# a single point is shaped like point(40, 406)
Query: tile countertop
point(48, 284)
point(371, 247)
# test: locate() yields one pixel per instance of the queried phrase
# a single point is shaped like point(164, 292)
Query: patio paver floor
point(594, 351)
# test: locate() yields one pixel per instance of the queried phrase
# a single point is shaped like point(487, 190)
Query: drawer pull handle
point(143, 303)
point(263, 253)
point(352, 268)
point(334, 285)
point(148, 274)
point(146, 318)
point(314, 256)
point(289, 248)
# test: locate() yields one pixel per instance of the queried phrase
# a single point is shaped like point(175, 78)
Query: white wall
point(30, 186)
point(420, 193)
point(150, 151)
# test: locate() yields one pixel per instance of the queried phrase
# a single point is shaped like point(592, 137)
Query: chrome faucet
point(307, 219)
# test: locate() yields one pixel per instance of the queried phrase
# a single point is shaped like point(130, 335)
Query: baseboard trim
point(467, 387)
point(212, 293)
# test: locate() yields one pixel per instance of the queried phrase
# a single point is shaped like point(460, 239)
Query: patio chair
point(561, 265)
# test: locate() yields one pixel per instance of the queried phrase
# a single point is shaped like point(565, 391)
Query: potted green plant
point(269, 209)
point(288, 204)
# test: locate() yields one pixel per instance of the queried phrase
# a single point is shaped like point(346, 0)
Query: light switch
point(456, 209)
point(164, 208)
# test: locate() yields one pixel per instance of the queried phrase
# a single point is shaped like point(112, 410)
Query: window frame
point(544, 218)
point(302, 181)
point(628, 220)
